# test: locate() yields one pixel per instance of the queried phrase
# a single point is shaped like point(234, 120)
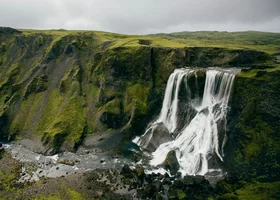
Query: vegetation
point(63, 86)
point(260, 41)
point(254, 124)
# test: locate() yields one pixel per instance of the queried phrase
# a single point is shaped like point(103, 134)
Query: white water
point(198, 141)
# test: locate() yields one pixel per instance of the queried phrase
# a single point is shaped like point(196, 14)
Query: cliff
point(62, 88)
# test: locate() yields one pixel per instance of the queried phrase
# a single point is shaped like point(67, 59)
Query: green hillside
point(62, 88)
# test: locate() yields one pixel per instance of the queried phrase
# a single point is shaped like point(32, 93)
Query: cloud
point(141, 17)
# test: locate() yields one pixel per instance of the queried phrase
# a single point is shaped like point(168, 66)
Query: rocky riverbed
point(115, 175)
point(28, 175)
point(36, 165)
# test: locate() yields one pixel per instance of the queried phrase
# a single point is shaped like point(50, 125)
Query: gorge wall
point(63, 89)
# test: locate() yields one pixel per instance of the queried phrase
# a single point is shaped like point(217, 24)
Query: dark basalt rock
point(132, 151)
point(188, 181)
point(112, 120)
point(158, 135)
point(198, 179)
point(126, 169)
point(171, 162)
point(158, 186)
point(1, 152)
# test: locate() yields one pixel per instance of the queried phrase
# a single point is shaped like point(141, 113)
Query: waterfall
point(196, 127)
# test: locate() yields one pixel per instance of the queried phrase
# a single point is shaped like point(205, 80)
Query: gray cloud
point(145, 16)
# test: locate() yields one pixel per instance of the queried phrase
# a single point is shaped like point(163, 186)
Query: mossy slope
point(64, 85)
point(254, 124)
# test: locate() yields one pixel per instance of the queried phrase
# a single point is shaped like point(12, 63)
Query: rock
point(140, 175)
point(171, 162)
point(155, 137)
point(157, 185)
point(188, 180)
point(132, 151)
point(176, 194)
point(112, 120)
point(178, 184)
point(66, 161)
point(167, 181)
point(178, 175)
point(2, 150)
point(126, 169)
point(102, 160)
point(198, 179)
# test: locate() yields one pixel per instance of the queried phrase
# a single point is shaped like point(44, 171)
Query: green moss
point(112, 106)
point(64, 193)
point(51, 197)
point(9, 177)
point(88, 73)
point(58, 114)
point(137, 95)
point(255, 110)
point(260, 191)
point(181, 195)
point(74, 195)
point(228, 196)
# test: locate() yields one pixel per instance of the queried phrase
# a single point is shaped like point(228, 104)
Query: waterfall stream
point(192, 121)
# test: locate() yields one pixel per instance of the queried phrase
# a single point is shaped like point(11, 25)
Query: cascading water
point(194, 129)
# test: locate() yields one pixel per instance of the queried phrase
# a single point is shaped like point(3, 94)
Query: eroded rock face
point(254, 125)
point(50, 85)
point(171, 162)
point(112, 120)
point(157, 136)
point(133, 152)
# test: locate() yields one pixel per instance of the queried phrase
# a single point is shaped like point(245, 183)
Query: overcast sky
point(142, 16)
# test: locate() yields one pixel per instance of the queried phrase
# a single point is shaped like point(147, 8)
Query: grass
point(249, 40)
point(71, 195)
point(260, 191)
point(261, 41)
point(253, 40)
point(253, 72)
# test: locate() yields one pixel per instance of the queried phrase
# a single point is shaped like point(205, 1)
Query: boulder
point(158, 135)
point(126, 169)
point(188, 180)
point(171, 163)
point(198, 179)
point(1, 150)
point(140, 175)
point(132, 151)
point(66, 161)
